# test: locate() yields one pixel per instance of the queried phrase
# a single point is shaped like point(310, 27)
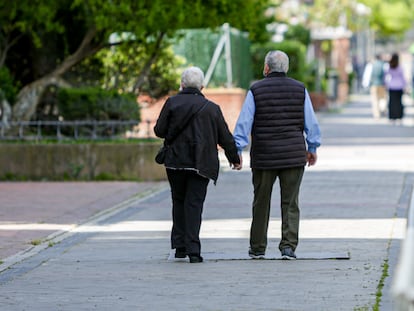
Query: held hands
point(237, 166)
point(311, 158)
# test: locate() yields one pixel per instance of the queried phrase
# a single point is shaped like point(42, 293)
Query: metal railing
point(65, 130)
point(403, 285)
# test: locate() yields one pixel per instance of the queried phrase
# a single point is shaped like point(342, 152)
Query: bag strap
point(185, 125)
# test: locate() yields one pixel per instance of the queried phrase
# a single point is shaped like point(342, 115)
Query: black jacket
point(196, 146)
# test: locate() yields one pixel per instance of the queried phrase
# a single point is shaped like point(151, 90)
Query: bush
point(96, 104)
point(295, 50)
point(7, 85)
point(298, 33)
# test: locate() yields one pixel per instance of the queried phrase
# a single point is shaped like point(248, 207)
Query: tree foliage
point(121, 68)
point(61, 34)
point(391, 17)
point(387, 17)
point(24, 18)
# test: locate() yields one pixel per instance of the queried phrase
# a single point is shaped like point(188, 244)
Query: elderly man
point(192, 127)
point(277, 111)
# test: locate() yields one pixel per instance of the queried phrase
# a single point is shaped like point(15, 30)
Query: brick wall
point(229, 100)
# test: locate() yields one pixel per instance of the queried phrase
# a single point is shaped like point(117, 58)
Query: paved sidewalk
point(32, 212)
point(353, 207)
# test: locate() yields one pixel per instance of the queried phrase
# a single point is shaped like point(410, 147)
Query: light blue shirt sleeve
point(245, 122)
point(312, 130)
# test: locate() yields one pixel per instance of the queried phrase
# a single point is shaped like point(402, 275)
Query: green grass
point(385, 267)
point(36, 242)
point(380, 286)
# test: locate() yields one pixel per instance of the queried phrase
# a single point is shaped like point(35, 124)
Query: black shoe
point(288, 254)
point(194, 258)
point(180, 252)
point(256, 255)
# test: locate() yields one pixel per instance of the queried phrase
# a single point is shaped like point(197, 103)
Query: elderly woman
point(192, 127)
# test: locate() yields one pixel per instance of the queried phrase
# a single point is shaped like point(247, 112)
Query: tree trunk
point(29, 95)
point(5, 111)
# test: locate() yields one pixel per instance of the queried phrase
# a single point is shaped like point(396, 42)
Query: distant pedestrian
point(395, 83)
point(277, 112)
point(192, 127)
point(373, 79)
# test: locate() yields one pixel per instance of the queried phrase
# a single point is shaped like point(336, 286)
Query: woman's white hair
point(192, 77)
point(277, 61)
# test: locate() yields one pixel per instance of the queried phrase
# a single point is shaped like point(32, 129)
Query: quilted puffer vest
point(277, 134)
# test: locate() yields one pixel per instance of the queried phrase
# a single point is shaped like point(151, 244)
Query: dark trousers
point(289, 181)
point(395, 106)
point(188, 191)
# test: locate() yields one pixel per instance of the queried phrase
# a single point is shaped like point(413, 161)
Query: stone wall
point(87, 161)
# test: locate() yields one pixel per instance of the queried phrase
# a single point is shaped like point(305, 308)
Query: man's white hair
point(192, 77)
point(277, 61)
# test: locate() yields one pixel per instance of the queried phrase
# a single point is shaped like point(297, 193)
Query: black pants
point(188, 191)
point(395, 106)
